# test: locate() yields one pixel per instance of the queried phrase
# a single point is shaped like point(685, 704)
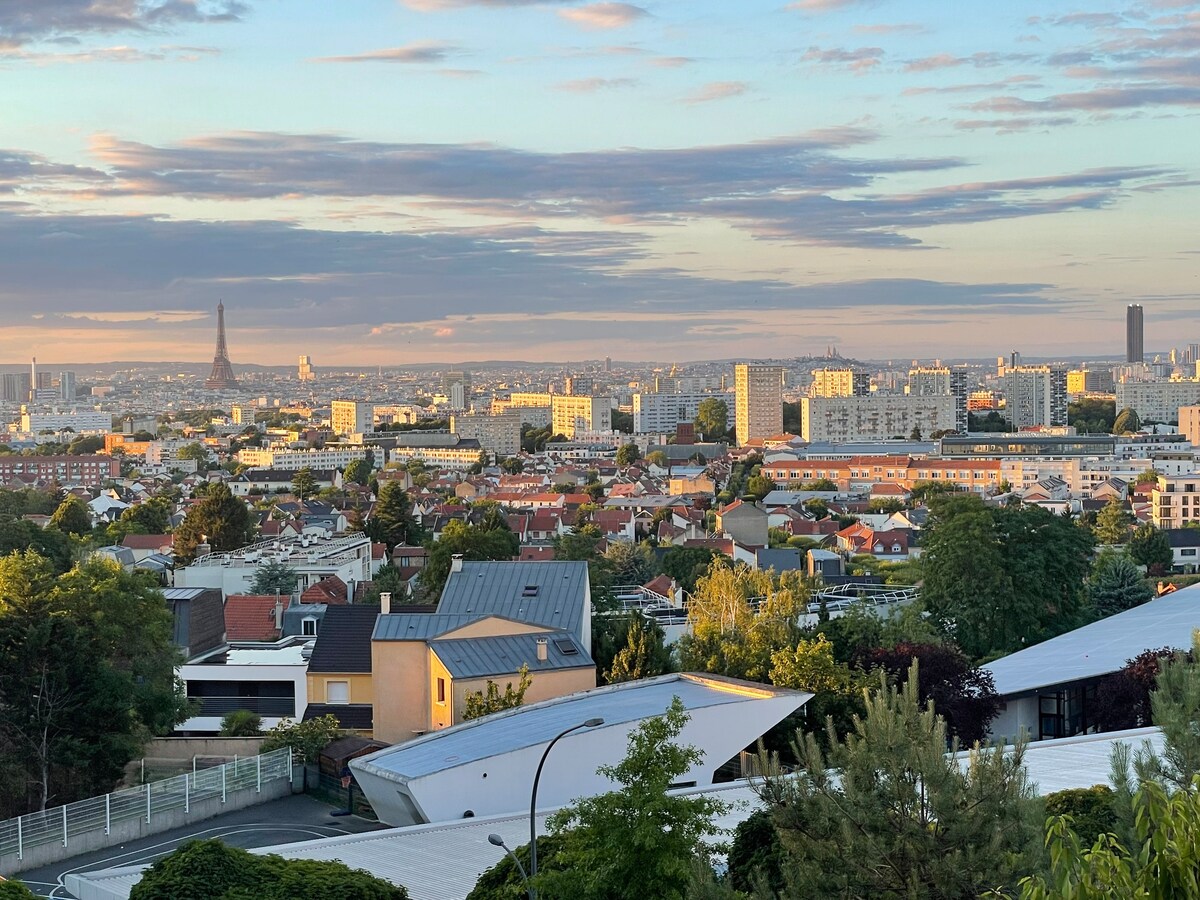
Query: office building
point(876, 417)
point(758, 401)
point(305, 371)
point(1035, 396)
point(1135, 350)
point(351, 417)
point(839, 383)
point(499, 435)
point(1157, 401)
point(659, 413)
point(571, 414)
point(14, 387)
point(66, 385)
point(942, 381)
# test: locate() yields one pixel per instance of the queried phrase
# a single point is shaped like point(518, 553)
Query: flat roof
point(529, 726)
point(282, 654)
point(1101, 647)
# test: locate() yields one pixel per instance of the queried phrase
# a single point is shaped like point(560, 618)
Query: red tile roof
point(251, 617)
point(147, 541)
point(327, 590)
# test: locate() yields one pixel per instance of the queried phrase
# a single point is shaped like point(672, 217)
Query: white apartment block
point(758, 401)
point(659, 413)
point(570, 414)
point(458, 458)
point(79, 422)
point(313, 557)
point(1158, 401)
point(688, 384)
point(1189, 424)
point(1035, 395)
point(331, 457)
point(1175, 501)
point(877, 417)
point(839, 383)
point(500, 435)
point(941, 381)
point(348, 417)
point(1083, 475)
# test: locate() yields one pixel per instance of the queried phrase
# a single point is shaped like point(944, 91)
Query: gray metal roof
point(417, 626)
point(480, 657)
point(1101, 647)
point(184, 593)
point(499, 589)
point(530, 726)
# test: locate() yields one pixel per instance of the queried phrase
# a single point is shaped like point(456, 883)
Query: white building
point(312, 556)
point(78, 421)
point(348, 417)
point(270, 679)
point(1035, 395)
point(500, 435)
point(876, 417)
point(1158, 401)
point(570, 413)
point(758, 401)
point(332, 456)
point(659, 413)
point(459, 457)
point(940, 381)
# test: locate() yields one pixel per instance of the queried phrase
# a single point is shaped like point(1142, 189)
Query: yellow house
point(339, 677)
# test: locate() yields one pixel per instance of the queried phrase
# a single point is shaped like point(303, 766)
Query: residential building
point(580, 384)
point(1157, 401)
point(198, 617)
point(456, 386)
point(1135, 351)
point(459, 457)
point(839, 383)
point(1175, 501)
point(88, 470)
point(499, 435)
point(268, 678)
point(339, 670)
point(758, 401)
point(942, 381)
point(1035, 395)
point(331, 456)
point(660, 413)
point(349, 417)
point(743, 521)
point(76, 420)
point(313, 557)
point(570, 414)
point(688, 384)
point(1090, 381)
point(1189, 424)
point(860, 473)
point(66, 386)
point(875, 417)
point(271, 481)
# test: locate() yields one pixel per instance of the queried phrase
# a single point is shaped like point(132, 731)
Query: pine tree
point(1112, 523)
point(1116, 585)
point(72, 517)
point(1127, 421)
point(643, 655)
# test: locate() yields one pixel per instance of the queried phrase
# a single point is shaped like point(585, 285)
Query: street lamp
point(496, 841)
point(590, 723)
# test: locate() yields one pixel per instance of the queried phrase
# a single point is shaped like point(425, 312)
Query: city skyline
point(440, 180)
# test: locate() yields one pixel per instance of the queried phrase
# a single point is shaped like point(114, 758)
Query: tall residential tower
point(1135, 350)
point(759, 401)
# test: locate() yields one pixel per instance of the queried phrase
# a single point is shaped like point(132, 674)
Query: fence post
point(187, 793)
point(107, 814)
point(193, 765)
point(224, 769)
point(20, 839)
point(147, 804)
point(289, 766)
point(64, 809)
point(258, 774)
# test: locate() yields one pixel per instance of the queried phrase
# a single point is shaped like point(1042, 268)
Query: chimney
point(279, 614)
point(543, 652)
point(385, 602)
point(456, 562)
point(203, 549)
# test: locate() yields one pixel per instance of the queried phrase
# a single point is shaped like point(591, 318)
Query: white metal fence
point(64, 824)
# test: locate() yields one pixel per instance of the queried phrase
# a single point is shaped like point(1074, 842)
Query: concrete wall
point(135, 828)
point(186, 748)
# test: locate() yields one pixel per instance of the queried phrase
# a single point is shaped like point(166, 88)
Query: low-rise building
point(313, 557)
point(1175, 501)
point(331, 456)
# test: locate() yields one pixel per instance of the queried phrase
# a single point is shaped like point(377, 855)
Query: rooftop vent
point(530, 590)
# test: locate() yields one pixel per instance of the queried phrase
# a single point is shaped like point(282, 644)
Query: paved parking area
point(286, 821)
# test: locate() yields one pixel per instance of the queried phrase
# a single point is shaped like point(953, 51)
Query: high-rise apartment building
point(1036, 395)
point(876, 417)
point(305, 370)
point(570, 414)
point(840, 383)
point(580, 384)
point(758, 401)
point(1157, 401)
point(1087, 381)
point(1189, 424)
point(1135, 350)
point(351, 417)
point(661, 412)
point(942, 381)
point(500, 435)
point(66, 385)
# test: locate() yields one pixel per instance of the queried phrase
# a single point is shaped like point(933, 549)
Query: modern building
point(570, 414)
point(313, 557)
point(688, 384)
point(66, 386)
point(1135, 350)
point(876, 417)
point(1157, 401)
point(268, 678)
point(985, 446)
point(758, 401)
point(347, 417)
point(1175, 501)
point(499, 435)
point(659, 413)
point(1035, 396)
point(839, 383)
point(1090, 381)
point(305, 370)
point(456, 385)
point(942, 381)
point(77, 421)
point(221, 378)
point(331, 456)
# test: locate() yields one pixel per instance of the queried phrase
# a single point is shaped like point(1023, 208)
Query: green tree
point(274, 578)
point(387, 578)
point(630, 563)
point(357, 472)
point(304, 483)
point(644, 654)
point(474, 542)
point(213, 870)
point(1151, 548)
point(306, 739)
point(687, 564)
point(1116, 584)
point(15, 890)
point(1112, 523)
point(628, 454)
point(241, 723)
point(151, 516)
point(637, 841)
point(915, 434)
point(887, 814)
point(512, 465)
point(1127, 421)
point(195, 450)
point(712, 418)
point(1092, 810)
point(1092, 416)
point(72, 517)
point(490, 700)
point(758, 486)
point(393, 522)
point(220, 519)
point(17, 536)
point(658, 458)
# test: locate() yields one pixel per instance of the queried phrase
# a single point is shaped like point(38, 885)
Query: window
point(1190, 551)
point(308, 625)
point(337, 692)
point(441, 690)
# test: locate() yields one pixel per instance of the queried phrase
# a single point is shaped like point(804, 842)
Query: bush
point(241, 723)
point(756, 854)
point(14, 890)
point(1091, 810)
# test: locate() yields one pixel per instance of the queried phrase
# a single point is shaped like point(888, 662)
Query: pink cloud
point(717, 90)
point(603, 16)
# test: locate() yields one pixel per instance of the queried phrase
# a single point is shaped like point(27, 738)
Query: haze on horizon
point(400, 181)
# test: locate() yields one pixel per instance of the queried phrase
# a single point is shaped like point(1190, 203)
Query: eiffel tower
point(221, 378)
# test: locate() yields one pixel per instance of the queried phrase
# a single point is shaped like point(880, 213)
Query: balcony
point(264, 706)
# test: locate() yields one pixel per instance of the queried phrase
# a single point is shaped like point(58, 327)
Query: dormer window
point(308, 626)
point(530, 590)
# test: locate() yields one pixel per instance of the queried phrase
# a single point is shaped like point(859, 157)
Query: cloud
point(415, 52)
point(671, 62)
point(820, 6)
point(437, 5)
point(891, 28)
point(25, 21)
point(592, 85)
point(978, 60)
point(31, 171)
point(603, 16)
point(860, 60)
point(717, 90)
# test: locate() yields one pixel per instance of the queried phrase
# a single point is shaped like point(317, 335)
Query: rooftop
point(552, 593)
point(480, 657)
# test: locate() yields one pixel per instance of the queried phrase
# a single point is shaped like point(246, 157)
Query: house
point(616, 524)
point(339, 670)
point(780, 559)
point(825, 563)
point(1185, 549)
point(859, 538)
point(268, 678)
point(253, 617)
point(743, 521)
point(331, 590)
point(143, 545)
point(198, 615)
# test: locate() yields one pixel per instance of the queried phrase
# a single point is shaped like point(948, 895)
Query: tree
point(1151, 548)
point(512, 465)
point(17, 536)
point(72, 517)
point(1116, 584)
point(194, 450)
point(213, 870)
point(1127, 421)
point(1112, 523)
point(220, 519)
point(306, 739)
point(658, 459)
point(915, 434)
point(886, 813)
point(628, 454)
point(644, 654)
point(357, 472)
point(274, 578)
point(490, 700)
point(151, 516)
point(637, 841)
point(1092, 416)
point(387, 578)
point(15, 890)
point(712, 418)
point(241, 723)
point(1123, 698)
point(758, 486)
point(304, 483)
point(393, 522)
point(630, 563)
point(1092, 810)
point(474, 542)
point(756, 855)
point(686, 564)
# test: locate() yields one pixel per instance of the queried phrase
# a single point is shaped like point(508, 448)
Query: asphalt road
point(286, 821)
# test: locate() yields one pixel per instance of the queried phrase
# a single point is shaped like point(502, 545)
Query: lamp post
point(590, 723)
point(496, 841)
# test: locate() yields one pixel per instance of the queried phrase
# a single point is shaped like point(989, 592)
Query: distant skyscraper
point(1135, 350)
point(66, 385)
point(305, 371)
point(758, 401)
point(221, 378)
point(608, 364)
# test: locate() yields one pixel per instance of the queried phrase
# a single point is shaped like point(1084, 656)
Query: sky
point(378, 182)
